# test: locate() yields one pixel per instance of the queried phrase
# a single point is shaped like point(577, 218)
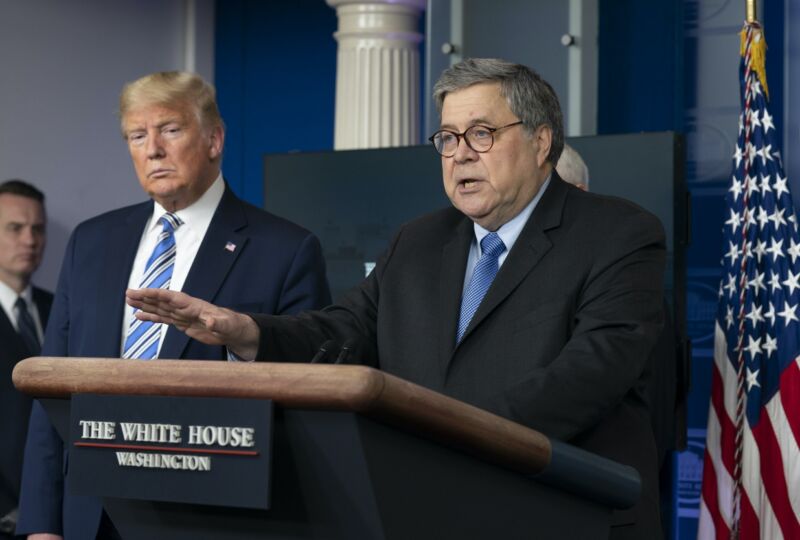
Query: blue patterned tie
point(483, 275)
point(143, 336)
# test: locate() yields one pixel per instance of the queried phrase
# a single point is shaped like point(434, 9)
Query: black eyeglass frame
point(463, 135)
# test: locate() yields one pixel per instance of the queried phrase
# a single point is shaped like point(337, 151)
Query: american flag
point(751, 469)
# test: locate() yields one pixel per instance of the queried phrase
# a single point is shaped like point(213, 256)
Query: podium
point(357, 454)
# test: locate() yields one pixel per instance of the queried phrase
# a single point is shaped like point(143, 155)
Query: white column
point(198, 40)
point(581, 109)
point(377, 73)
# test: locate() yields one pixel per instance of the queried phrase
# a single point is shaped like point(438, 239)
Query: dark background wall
point(639, 65)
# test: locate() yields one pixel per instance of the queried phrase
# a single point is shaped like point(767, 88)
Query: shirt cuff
point(233, 357)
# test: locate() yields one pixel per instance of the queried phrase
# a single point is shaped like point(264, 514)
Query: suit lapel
point(12, 342)
point(122, 242)
point(43, 303)
point(528, 250)
point(222, 245)
point(451, 285)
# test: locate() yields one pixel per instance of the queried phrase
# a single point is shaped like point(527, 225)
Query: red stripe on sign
point(169, 449)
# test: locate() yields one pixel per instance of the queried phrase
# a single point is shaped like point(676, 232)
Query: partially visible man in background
point(666, 384)
point(24, 313)
point(195, 236)
point(572, 168)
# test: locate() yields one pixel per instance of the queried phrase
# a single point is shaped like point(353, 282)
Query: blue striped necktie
point(143, 336)
point(483, 275)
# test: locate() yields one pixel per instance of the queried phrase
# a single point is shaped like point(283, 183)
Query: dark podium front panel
point(338, 475)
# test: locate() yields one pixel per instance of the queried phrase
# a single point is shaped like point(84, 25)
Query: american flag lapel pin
point(230, 246)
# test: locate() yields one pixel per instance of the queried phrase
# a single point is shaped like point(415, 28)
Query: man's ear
point(216, 142)
point(543, 136)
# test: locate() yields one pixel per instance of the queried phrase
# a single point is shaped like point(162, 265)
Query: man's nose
point(464, 152)
point(28, 236)
point(154, 147)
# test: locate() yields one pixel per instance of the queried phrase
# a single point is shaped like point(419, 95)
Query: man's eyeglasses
point(479, 138)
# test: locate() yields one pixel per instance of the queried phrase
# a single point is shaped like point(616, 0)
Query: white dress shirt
point(8, 299)
point(188, 237)
point(508, 233)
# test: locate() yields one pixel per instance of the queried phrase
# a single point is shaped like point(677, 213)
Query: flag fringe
point(758, 52)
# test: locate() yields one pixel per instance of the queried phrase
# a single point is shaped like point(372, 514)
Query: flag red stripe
point(748, 524)
point(710, 496)
point(772, 475)
point(727, 429)
point(790, 397)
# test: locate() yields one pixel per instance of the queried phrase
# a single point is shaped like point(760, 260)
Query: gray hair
point(528, 96)
point(571, 167)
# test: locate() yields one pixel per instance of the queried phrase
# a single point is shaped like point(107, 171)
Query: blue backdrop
point(275, 73)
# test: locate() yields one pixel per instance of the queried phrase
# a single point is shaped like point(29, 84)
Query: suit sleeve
point(353, 321)
point(306, 285)
point(41, 492)
point(617, 321)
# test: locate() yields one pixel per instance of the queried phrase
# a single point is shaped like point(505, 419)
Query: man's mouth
point(468, 183)
point(159, 173)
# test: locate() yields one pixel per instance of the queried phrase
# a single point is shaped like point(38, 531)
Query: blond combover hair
point(172, 88)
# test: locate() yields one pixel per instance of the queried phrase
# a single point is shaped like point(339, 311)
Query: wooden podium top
point(359, 389)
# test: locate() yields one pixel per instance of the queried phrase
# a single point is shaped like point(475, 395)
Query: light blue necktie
point(483, 275)
point(143, 336)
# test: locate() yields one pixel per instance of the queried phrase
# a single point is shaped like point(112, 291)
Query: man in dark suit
point(196, 236)
point(23, 313)
point(531, 298)
point(667, 386)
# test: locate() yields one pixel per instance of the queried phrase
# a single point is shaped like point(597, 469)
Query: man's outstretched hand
point(199, 319)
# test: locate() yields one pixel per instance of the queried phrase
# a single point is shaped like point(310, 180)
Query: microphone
point(347, 348)
point(322, 353)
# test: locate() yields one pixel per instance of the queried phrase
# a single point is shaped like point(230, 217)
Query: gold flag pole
point(750, 9)
point(758, 49)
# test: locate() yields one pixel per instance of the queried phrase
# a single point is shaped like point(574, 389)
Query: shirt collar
point(511, 230)
point(197, 214)
point(8, 297)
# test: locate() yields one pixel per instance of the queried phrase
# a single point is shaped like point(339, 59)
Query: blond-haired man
point(194, 235)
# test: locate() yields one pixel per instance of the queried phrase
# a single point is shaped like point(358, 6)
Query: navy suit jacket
point(15, 405)
point(274, 266)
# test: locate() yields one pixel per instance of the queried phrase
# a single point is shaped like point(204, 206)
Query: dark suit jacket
point(560, 342)
point(276, 267)
point(666, 391)
point(14, 405)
